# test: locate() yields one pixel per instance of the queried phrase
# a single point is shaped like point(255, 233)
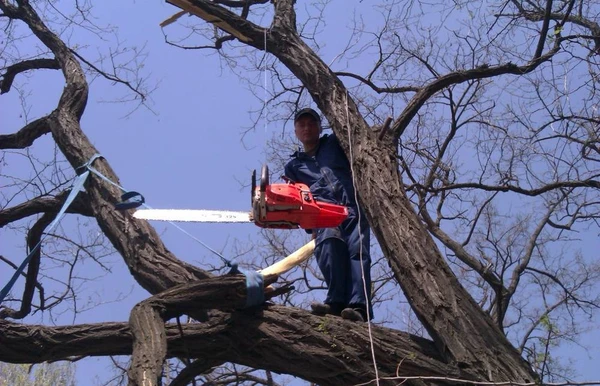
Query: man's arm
point(289, 173)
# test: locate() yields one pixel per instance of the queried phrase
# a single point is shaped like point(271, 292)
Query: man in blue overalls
point(342, 252)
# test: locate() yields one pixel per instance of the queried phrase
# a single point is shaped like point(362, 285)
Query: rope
point(254, 280)
point(225, 260)
point(265, 100)
point(75, 189)
point(368, 308)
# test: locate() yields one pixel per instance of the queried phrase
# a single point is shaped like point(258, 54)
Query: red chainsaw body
point(291, 205)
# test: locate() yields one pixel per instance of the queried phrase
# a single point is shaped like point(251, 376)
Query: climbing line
point(362, 269)
point(75, 188)
point(254, 280)
point(104, 178)
point(265, 93)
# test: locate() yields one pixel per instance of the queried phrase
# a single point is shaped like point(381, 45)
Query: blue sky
point(185, 153)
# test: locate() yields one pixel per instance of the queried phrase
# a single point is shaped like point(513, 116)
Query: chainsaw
point(288, 205)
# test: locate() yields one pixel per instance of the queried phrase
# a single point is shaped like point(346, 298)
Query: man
point(343, 252)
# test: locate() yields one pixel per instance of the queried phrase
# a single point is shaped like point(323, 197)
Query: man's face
point(307, 130)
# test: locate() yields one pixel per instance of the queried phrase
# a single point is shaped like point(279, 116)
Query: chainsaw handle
point(253, 187)
point(264, 178)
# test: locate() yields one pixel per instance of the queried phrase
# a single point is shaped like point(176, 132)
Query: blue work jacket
point(327, 173)
point(329, 177)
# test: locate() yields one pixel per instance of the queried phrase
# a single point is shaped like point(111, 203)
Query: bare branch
point(33, 240)
point(569, 295)
point(187, 375)
point(45, 204)
point(38, 285)
point(26, 65)
point(459, 77)
point(511, 188)
point(27, 135)
point(377, 89)
point(111, 77)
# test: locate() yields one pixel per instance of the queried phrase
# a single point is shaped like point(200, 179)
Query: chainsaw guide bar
point(289, 205)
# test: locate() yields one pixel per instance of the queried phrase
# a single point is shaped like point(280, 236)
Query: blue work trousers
point(343, 255)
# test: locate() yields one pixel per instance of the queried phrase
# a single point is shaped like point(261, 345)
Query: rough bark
point(148, 318)
point(325, 350)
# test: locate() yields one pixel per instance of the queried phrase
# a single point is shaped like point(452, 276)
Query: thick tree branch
point(248, 338)
point(8, 9)
point(75, 94)
point(45, 204)
point(148, 318)
point(235, 25)
point(240, 3)
point(544, 31)
point(27, 135)
point(26, 65)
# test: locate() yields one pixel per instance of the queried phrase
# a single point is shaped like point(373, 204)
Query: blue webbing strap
point(255, 292)
point(75, 188)
point(130, 199)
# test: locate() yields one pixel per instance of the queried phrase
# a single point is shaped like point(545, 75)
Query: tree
point(480, 114)
point(44, 374)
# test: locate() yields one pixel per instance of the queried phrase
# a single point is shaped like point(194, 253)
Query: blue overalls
point(338, 250)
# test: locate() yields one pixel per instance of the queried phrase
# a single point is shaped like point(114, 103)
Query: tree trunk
point(460, 329)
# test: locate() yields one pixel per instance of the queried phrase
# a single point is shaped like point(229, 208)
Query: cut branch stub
point(291, 261)
point(147, 320)
point(211, 18)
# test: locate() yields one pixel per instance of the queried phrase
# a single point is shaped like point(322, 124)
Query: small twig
point(471, 382)
point(112, 78)
point(385, 127)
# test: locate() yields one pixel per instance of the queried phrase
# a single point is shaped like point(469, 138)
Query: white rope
point(368, 308)
point(265, 93)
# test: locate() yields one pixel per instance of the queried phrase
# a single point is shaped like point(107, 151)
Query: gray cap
point(307, 111)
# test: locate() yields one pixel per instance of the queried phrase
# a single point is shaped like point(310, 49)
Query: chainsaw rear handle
point(253, 188)
point(264, 178)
